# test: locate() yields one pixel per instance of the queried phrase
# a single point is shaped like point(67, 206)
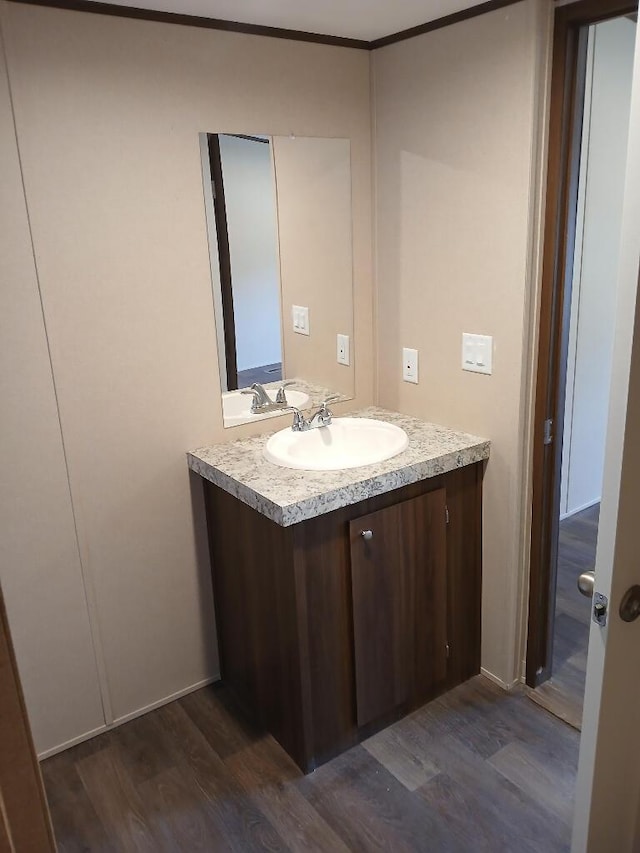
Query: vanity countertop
point(288, 496)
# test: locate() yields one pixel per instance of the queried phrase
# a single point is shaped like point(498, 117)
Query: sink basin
point(345, 443)
point(236, 407)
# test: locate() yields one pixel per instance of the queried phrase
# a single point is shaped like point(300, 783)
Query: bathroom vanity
point(344, 599)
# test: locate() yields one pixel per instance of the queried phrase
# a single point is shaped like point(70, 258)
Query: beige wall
point(316, 258)
point(39, 562)
point(454, 141)
point(108, 113)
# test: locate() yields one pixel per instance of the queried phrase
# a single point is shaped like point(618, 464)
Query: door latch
point(548, 433)
point(600, 608)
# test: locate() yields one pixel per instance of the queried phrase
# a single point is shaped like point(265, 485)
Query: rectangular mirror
point(279, 222)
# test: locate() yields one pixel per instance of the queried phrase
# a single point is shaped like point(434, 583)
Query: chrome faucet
point(320, 418)
point(262, 402)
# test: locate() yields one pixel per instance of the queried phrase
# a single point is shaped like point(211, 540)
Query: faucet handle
point(281, 397)
point(324, 414)
point(332, 398)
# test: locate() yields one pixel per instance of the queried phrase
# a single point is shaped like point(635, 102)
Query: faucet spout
point(260, 395)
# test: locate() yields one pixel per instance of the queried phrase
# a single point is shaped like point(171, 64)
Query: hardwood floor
point(476, 770)
point(563, 694)
point(264, 374)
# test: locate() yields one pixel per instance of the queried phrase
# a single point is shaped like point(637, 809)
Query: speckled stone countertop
point(288, 496)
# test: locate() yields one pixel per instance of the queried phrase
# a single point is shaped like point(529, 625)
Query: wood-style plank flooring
point(476, 770)
point(265, 373)
point(563, 694)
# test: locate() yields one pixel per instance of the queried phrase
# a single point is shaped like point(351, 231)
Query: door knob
point(586, 582)
point(366, 534)
point(630, 604)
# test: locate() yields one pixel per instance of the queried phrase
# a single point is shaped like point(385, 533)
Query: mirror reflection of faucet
point(262, 402)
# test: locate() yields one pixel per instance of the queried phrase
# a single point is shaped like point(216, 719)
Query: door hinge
point(446, 515)
point(448, 649)
point(548, 426)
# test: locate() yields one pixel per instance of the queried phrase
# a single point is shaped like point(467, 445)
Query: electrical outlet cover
point(343, 349)
point(410, 365)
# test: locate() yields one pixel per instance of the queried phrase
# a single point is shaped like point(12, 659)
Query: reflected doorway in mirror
point(279, 225)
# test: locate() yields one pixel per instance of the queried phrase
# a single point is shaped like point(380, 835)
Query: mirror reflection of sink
point(345, 443)
point(236, 407)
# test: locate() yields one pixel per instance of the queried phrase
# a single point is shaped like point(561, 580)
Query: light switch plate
point(300, 317)
point(477, 353)
point(410, 365)
point(343, 349)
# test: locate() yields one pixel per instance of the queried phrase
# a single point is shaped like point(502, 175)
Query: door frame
point(563, 161)
point(224, 260)
point(25, 823)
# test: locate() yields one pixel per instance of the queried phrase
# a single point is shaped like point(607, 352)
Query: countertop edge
point(239, 490)
point(380, 484)
point(286, 515)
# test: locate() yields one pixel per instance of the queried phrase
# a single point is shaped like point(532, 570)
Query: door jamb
point(224, 260)
point(565, 124)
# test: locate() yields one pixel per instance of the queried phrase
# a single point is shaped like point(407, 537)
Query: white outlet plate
point(343, 349)
point(477, 353)
point(410, 365)
point(300, 318)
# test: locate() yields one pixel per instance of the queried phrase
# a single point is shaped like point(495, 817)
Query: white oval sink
point(345, 443)
point(236, 406)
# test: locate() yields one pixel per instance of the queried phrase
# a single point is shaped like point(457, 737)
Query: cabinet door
point(398, 579)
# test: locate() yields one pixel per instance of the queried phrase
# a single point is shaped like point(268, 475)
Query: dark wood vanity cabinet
point(399, 595)
point(325, 634)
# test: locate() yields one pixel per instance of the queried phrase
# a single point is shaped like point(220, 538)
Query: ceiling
point(359, 19)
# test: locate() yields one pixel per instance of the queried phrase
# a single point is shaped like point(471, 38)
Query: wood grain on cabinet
point(321, 550)
point(464, 572)
point(284, 610)
point(398, 578)
point(256, 615)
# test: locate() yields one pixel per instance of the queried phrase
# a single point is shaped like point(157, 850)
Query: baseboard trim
point(579, 509)
point(172, 698)
point(506, 685)
point(48, 753)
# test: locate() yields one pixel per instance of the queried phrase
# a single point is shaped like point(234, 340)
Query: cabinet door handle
point(366, 534)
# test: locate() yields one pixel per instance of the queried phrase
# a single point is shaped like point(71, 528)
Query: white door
point(608, 788)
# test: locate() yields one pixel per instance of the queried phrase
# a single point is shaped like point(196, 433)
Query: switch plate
point(477, 353)
point(343, 349)
point(410, 365)
point(300, 317)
